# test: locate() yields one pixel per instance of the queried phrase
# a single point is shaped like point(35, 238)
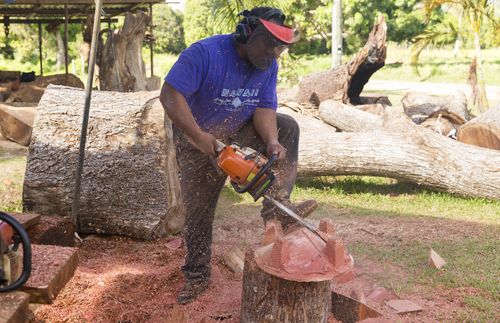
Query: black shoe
point(191, 290)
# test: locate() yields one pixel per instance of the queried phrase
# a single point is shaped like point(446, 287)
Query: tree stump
point(121, 67)
point(130, 177)
point(345, 83)
point(287, 279)
point(267, 298)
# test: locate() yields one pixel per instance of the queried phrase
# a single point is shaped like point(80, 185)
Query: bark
point(400, 150)
point(422, 106)
point(345, 83)
point(267, 298)
point(348, 118)
point(121, 67)
point(482, 131)
point(129, 184)
point(16, 123)
point(33, 91)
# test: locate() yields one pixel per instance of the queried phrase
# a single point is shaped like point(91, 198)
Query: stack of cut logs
point(19, 96)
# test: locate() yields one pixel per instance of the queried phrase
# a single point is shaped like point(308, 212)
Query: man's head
point(263, 34)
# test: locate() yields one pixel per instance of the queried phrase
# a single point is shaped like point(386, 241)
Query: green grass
point(11, 183)
point(436, 65)
point(472, 270)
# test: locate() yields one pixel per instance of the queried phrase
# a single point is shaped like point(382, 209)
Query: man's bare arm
point(264, 121)
point(178, 111)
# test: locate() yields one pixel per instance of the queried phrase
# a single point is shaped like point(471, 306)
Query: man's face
point(263, 48)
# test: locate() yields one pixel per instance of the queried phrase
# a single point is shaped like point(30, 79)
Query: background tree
point(169, 31)
point(477, 14)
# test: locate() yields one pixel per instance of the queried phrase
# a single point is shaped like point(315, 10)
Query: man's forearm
point(264, 121)
point(178, 111)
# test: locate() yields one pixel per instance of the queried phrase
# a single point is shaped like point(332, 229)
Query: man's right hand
point(205, 142)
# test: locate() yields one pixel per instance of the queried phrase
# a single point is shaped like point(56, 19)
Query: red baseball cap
point(283, 33)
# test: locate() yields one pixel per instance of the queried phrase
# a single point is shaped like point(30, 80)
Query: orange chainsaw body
point(248, 169)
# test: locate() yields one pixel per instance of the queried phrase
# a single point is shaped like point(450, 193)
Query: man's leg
point(201, 185)
point(285, 170)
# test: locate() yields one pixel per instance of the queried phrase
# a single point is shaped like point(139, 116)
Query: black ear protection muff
point(249, 23)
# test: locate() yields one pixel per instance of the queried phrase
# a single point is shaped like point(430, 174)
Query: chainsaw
point(15, 268)
point(250, 172)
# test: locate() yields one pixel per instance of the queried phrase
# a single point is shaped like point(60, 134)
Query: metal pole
point(40, 55)
point(86, 112)
point(337, 33)
point(66, 60)
point(151, 44)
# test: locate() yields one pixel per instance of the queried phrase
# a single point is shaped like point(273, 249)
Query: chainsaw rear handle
point(19, 229)
point(257, 177)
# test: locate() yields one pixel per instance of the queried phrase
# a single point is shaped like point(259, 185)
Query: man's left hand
point(275, 147)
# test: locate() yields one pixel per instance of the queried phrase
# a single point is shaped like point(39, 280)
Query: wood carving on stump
point(345, 83)
point(482, 131)
point(121, 67)
point(129, 184)
point(288, 278)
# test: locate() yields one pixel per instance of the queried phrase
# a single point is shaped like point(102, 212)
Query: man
point(224, 87)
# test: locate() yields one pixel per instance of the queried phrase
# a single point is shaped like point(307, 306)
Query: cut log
point(345, 83)
point(130, 184)
point(16, 123)
point(121, 67)
point(422, 106)
point(416, 155)
point(33, 91)
point(441, 125)
point(348, 118)
point(482, 131)
point(267, 298)
point(14, 307)
point(9, 75)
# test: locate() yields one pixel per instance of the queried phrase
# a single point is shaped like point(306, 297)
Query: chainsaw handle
point(26, 252)
point(257, 177)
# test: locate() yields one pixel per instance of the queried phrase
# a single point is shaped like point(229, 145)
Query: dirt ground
point(124, 280)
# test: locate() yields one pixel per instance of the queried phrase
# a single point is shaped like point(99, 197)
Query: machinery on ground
point(15, 266)
point(250, 172)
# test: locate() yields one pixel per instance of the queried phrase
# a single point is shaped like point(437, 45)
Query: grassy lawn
point(410, 220)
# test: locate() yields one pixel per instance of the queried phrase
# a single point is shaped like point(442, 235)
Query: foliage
point(198, 20)
point(169, 33)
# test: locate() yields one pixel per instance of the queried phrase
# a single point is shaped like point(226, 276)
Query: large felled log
point(407, 152)
point(129, 185)
point(33, 91)
point(482, 131)
point(16, 123)
point(422, 106)
point(121, 67)
point(346, 82)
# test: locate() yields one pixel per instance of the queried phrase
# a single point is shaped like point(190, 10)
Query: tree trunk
point(121, 67)
point(345, 83)
point(483, 131)
point(267, 298)
point(348, 118)
point(61, 61)
point(421, 106)
point(129, 184)
point(482, 102)
point(401, 150)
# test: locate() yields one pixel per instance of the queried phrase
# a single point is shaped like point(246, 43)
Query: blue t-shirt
point(222, 89)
